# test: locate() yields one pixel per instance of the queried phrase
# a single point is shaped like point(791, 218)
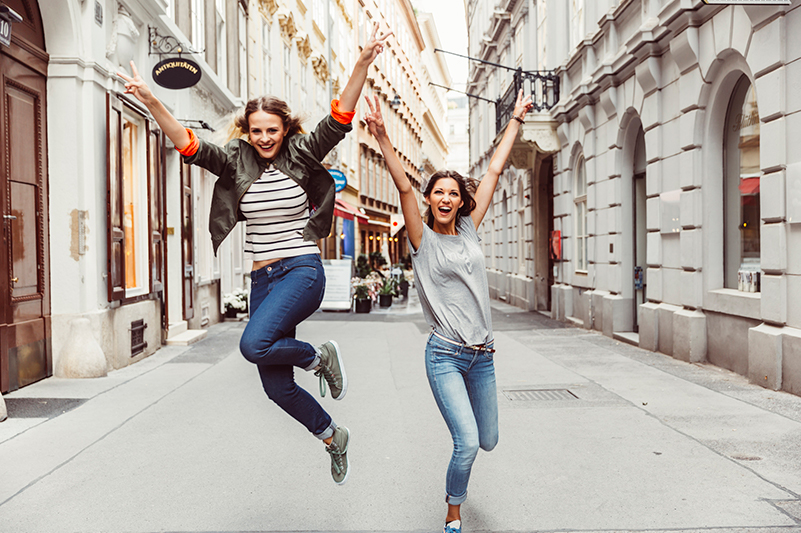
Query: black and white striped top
point(277, 210)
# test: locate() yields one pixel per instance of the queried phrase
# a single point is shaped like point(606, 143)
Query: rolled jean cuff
point(455, 500)
point(315, 362)
point(327, 432)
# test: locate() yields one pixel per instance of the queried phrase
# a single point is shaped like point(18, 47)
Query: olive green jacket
point(238, 165)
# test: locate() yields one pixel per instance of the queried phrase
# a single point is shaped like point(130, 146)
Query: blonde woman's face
point(266, 132)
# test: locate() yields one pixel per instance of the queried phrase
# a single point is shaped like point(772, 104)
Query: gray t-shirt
point(452, 283)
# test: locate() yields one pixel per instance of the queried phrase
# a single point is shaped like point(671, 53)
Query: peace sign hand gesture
point(137, 86)
point(374, 120)
point(374, 46)
point(522, 105)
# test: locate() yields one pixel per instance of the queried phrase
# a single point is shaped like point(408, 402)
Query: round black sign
point(176, 73)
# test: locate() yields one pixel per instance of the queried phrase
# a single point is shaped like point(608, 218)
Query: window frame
point(581, 264)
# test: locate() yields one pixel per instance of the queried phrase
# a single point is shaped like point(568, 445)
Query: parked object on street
point(451, 281)
point(272, 180)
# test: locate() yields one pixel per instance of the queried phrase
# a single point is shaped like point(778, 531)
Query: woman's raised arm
point(411, 213)
point(168, 123)
point(486, 187)
point(350, 94)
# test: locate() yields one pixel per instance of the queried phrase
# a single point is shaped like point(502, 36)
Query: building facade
point(109, 254)
point(675, 190)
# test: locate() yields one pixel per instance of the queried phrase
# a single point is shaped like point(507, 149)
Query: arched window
point(580, 214)
point(741, 222)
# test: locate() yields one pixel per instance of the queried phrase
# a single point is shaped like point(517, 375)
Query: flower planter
point(363, 305)
point(384, 300)
point(231, 312)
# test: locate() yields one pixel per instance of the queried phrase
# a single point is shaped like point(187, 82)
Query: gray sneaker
point(332, 371)
point(338, 450)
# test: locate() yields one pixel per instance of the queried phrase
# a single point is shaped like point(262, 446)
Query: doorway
point(25, 328)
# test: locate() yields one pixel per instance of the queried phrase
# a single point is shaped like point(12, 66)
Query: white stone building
point(676, 188)
point(110, 255)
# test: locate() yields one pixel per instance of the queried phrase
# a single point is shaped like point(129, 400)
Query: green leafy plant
point(388, 287)
point(362, 267)
point(377, 259)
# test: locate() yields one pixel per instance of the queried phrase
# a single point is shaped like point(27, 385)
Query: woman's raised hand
point(374, 120)
point(522, 105)
point(136, 85)
point(374, 46)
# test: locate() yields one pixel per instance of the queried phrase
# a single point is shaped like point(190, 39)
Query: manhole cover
point(40, 407)
point(532, 395)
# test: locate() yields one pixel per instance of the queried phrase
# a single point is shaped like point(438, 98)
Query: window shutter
point(114, 208)
point(156, 211)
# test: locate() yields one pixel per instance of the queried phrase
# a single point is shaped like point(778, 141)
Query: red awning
point(749, 185)
point(344, 210)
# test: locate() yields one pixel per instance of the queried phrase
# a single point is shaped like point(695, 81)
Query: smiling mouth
point(445, 210)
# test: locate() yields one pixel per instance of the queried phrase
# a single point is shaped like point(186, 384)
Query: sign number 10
point(5, 32)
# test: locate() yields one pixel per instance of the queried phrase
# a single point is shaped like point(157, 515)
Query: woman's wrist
point(520, 120)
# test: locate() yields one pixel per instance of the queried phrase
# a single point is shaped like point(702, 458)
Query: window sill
point(734, 302)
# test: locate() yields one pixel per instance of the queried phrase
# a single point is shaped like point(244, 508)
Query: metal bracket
point(167, 44)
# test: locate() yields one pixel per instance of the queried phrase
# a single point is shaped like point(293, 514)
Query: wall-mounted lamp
point(395, 103)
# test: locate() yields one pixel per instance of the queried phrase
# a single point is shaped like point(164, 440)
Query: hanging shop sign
point(177, 73)
point(340, 180)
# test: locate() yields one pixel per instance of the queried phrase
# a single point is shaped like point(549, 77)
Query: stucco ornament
point(123, 37)
point(287, 21)
point(304, 46)
point(538, 134)
point(269, 7)
point(320, 66)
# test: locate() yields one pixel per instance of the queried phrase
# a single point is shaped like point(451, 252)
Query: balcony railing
point(543, 86)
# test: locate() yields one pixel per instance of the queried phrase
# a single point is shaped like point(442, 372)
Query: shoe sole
point(342, 371)
point(347, 470)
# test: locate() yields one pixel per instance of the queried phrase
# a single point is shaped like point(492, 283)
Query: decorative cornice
point(304, 46)
point(287, 21)
point(320, 66)
point(268, 7)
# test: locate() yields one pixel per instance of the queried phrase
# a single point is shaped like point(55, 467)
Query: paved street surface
point(186, 441)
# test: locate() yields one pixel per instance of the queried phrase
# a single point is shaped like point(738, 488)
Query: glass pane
point(114, 142)
point(748, 122)
point(129, 186)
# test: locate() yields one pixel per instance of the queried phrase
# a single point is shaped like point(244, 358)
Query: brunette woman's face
point(445, 200)
point(266, 132)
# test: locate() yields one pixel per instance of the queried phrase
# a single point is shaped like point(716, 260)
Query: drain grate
point(40, 407)
point(532, 395)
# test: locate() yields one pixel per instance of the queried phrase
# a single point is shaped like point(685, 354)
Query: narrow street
point(186, 441)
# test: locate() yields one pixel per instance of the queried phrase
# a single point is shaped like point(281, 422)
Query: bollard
point(81, 356)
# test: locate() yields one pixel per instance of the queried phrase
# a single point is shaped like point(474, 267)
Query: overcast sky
point(449, 16)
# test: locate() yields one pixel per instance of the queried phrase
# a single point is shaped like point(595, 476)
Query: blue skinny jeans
point(282, 295)
point(463, 382)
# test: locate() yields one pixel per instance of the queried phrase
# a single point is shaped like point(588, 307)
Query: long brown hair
point(273, 106)
point(467, 187)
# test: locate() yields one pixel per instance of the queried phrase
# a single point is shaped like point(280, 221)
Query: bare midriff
point(261, 264)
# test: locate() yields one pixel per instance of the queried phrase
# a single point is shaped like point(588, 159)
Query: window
point(222, 51)
point(363, 176)
point(318, 15)
point(208, 265)
point(243, 53)
point(267, 73)
point(741, 228)
point(576, 22)
point(198, 24)
point(135, 216)
point(303, 80)
point(322, 100)
point(580, 214)
point(287, 73)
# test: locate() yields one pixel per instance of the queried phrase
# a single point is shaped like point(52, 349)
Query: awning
point(344, 210)
point(749, 186)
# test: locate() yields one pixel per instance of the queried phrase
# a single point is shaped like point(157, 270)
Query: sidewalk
point(186, 441)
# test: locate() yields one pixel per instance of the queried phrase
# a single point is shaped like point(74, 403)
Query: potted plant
point(235, 302)
point(364, 292)
point(385, 292)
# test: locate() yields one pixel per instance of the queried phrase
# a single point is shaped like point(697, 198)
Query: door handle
point(14, 280)
point(9, 217)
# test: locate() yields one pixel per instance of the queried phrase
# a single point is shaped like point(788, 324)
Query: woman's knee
point(466, 449)
point(488, 443)
point(254, 348)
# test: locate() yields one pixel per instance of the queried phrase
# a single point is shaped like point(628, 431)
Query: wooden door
point(25, 351)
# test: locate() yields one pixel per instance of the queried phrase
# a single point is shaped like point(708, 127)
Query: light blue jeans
point(463, 382)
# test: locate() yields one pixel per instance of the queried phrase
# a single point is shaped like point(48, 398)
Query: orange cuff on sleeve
point(191, 148)
point(343, 117)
